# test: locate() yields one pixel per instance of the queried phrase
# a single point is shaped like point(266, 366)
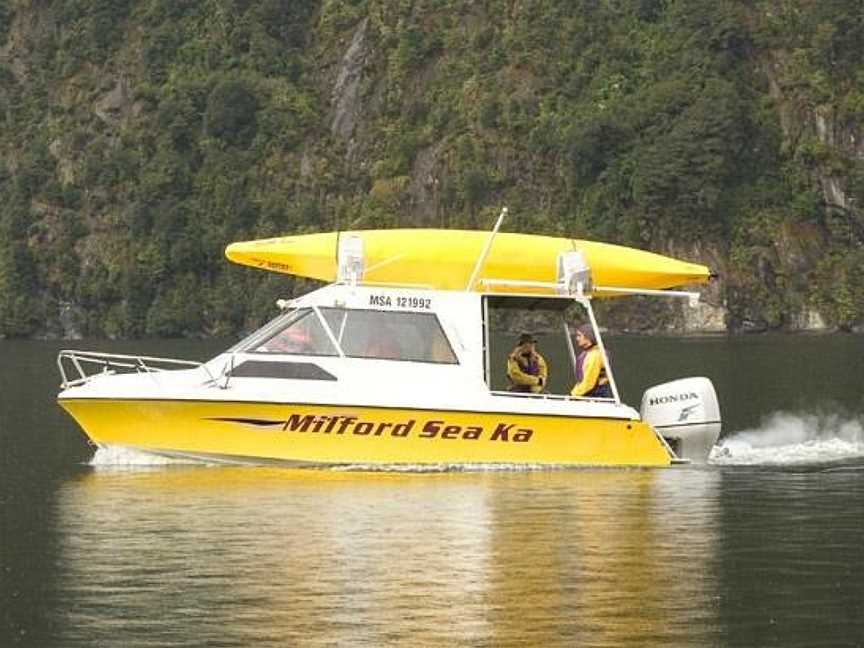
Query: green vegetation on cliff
point(138, 138)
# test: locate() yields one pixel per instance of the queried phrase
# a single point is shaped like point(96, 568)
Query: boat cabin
point(410, 332)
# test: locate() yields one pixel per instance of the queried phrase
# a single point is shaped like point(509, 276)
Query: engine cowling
point(686, 414)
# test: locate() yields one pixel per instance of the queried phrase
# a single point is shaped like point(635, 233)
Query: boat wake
point(788, 439)
point(114, 457)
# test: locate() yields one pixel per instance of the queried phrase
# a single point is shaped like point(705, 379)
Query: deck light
point(350, 269)
point(574, 274)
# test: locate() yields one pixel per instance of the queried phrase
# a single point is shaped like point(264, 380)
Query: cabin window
point(303, 335)
point(284, 370)
point(390, 335)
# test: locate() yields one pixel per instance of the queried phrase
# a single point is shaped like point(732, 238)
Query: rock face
point(836, 138)
point(71, 318)
point(116, 104)
point(424, 186)
point(346, 91)
point(811, 320)
point(705, 318)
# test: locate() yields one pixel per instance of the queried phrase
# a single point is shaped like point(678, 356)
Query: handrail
point(391, 284)
point(556, 397)
point(610, 375)
point(690, 295)
point(110, 361)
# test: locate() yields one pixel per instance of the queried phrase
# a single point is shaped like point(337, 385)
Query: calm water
point(764, 547)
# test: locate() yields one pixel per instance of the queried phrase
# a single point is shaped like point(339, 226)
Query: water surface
point(763, 547)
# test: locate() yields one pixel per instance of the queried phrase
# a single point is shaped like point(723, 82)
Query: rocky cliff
point(139, 137)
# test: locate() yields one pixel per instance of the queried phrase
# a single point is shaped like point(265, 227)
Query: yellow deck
point(444, 259)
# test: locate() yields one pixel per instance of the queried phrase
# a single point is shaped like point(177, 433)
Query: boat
point(394, 363)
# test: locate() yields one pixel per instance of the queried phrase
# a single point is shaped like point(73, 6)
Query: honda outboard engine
point(686, 414)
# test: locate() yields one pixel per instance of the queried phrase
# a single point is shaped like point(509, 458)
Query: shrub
point(231, 112)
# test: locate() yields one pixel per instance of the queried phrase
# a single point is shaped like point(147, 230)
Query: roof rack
point(561, 291)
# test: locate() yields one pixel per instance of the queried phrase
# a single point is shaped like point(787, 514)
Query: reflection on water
point(240, 556)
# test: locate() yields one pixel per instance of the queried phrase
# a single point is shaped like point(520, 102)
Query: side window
point(302, 335)
point(388, 335)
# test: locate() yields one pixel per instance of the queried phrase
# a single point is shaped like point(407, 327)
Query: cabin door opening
point(551, 321)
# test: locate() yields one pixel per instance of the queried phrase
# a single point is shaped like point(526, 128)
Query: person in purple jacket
point(591, 378)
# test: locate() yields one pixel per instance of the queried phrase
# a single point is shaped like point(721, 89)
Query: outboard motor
point(686, 414)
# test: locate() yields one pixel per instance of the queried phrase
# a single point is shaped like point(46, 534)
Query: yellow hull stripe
point(327, 434)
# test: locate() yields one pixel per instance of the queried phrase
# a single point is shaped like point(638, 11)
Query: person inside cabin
point(592, 381)
point(526, 368)
point(296, 339)
point(383, 345)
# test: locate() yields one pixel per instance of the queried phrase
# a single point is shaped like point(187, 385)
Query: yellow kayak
point(444, 259)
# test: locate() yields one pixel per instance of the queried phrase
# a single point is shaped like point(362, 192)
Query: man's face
point(581, 341)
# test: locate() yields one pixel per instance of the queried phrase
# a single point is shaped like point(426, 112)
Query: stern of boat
point(686, 413)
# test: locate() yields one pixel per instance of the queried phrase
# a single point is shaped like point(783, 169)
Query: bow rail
point(89, 364)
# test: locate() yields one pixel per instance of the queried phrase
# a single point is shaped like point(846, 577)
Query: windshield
point(381, 335)
point(302, 334)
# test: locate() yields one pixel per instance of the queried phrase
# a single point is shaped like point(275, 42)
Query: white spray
point(119, 458)
point(786, 438)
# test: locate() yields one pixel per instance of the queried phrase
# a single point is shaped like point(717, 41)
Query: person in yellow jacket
point(591, 378)
point(526, 368)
